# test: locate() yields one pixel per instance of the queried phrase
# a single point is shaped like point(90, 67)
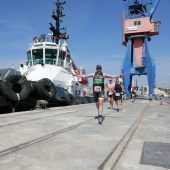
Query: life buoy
point(77, 72)
point(83, 81)
point(15, 87)
point(46, 89)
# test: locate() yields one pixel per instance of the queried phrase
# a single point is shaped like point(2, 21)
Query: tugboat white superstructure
point(46, 76)
point(49, 64)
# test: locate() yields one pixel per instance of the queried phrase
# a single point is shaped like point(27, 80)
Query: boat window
point(37, 55)
point(68, 59)
point(29, 58)
point(50, 56)
point(54, 45)
point(37, 45)
point(60, 55)
point(60, 59)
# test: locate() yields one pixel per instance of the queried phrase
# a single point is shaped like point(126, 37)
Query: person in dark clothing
point(118, 90)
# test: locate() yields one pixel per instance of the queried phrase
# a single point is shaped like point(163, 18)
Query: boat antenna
point(57, 15)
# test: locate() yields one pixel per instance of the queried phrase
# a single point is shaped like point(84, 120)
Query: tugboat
point(49, 67)
point(46, 77)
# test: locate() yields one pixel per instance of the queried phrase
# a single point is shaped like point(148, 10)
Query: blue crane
point(137, 29)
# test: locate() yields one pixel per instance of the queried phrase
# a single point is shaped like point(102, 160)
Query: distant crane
point(138, 27)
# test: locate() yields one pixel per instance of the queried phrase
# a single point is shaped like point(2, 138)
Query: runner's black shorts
point(98, 95)
point(118, 97)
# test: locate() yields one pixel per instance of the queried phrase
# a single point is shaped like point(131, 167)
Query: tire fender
point(15, 87)
point(70, 99)
point(46, 89)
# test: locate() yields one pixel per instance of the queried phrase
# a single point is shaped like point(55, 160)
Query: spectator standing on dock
point(133, 94)
point(98, 88)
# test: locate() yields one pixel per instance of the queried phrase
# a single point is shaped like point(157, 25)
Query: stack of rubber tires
point(16, 88)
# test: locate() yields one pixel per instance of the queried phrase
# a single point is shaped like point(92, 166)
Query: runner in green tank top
point(98, 87)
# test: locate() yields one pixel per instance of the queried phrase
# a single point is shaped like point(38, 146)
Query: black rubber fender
point(46, 89)
point(70, 99)
point(33, 86)
point(0, 87)
point(15, 87)
point(4, 73)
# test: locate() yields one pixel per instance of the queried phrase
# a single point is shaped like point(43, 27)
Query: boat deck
point(70, 138)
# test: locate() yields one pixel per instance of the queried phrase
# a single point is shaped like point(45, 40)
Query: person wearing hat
point(98, 88)
point(110, 94)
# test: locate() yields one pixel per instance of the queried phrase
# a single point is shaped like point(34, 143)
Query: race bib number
point(110, 93)
point(117, 94)
point(97, 88)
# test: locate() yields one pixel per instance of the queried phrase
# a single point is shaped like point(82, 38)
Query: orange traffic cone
point(161, 102)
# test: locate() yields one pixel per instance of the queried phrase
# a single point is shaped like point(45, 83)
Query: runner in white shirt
point(110, 94)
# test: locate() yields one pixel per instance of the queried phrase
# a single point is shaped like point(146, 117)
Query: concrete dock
point(70, 138)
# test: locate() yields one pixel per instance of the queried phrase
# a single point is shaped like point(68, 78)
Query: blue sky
point(95, 33)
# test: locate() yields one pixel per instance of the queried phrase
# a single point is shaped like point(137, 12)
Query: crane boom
point(154, 6)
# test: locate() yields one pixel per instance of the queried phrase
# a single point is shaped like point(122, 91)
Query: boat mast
point(57, 35)
point(56, 15)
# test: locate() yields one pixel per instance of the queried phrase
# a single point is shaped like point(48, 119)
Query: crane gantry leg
point(138, 27)
point(147, 67)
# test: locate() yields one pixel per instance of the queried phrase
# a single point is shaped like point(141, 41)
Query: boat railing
point(60, 63)
point(50, 61)
point(24, 62)
point(64, 64)
point(30, 45)
point(68, 66)
point(38, 61)
point(47, 61)
point(43, 38)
